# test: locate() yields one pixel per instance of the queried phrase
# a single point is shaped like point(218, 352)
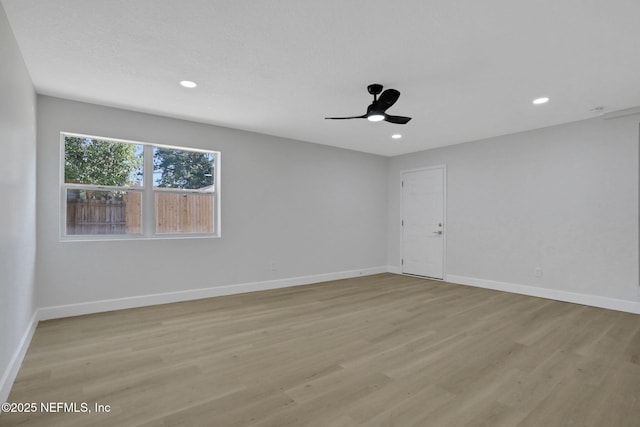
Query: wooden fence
point(175, 213)
point(184, 213)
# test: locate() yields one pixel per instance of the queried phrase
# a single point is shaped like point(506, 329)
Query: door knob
point(437, 232)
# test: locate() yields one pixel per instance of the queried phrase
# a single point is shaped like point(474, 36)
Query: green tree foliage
point(182, 169)
point(99, 162)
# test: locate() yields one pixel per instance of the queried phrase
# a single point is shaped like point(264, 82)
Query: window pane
point(92, 212)
point(186, 169)
point(184, 212)
point(102, 162)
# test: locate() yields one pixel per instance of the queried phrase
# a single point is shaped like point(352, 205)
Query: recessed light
point(188, 83)
point(542, 100)
point(396, 136)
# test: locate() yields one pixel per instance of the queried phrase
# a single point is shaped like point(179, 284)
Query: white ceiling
point(467, 69)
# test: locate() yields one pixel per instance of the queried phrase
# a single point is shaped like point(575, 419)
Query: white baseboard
point(577, 298)
point(9, 375)
point(55, 312)
point(394, 269)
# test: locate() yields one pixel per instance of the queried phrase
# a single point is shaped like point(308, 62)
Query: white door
point(423, 193)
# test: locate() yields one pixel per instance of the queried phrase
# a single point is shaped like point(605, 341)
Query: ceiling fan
point(376, 111)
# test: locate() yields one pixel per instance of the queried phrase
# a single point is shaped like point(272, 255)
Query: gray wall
point(17, 211)
point(563, 198)
point(311, 209)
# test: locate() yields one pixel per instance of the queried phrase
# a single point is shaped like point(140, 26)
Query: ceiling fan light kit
point(376, 111)
point(375, 117)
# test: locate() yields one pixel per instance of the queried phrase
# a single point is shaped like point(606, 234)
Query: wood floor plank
point(381, 350)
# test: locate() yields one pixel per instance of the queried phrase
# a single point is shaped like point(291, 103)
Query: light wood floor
point(377, 351)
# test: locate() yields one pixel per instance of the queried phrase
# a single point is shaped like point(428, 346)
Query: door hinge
point(402, 262)
point(403, 222)
point(402, 183)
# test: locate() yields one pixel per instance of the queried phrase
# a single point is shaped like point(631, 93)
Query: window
point(115, 189)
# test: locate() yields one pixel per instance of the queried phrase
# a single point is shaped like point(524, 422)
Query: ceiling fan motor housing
point(374, 89)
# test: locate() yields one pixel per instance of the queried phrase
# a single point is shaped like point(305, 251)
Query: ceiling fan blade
point(387, 99)
point(345, 118)
point(399, 120)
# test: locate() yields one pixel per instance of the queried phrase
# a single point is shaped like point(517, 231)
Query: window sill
point(75, 239)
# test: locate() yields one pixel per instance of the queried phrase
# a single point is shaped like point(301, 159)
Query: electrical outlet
point(538, 272)
point(273, 266)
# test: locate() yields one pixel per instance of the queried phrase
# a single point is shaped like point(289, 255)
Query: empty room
point(286, 213)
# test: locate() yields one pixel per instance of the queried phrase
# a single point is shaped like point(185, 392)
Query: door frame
point(443, 167)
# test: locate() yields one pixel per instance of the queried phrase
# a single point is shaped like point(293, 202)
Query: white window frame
point(148, 194)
